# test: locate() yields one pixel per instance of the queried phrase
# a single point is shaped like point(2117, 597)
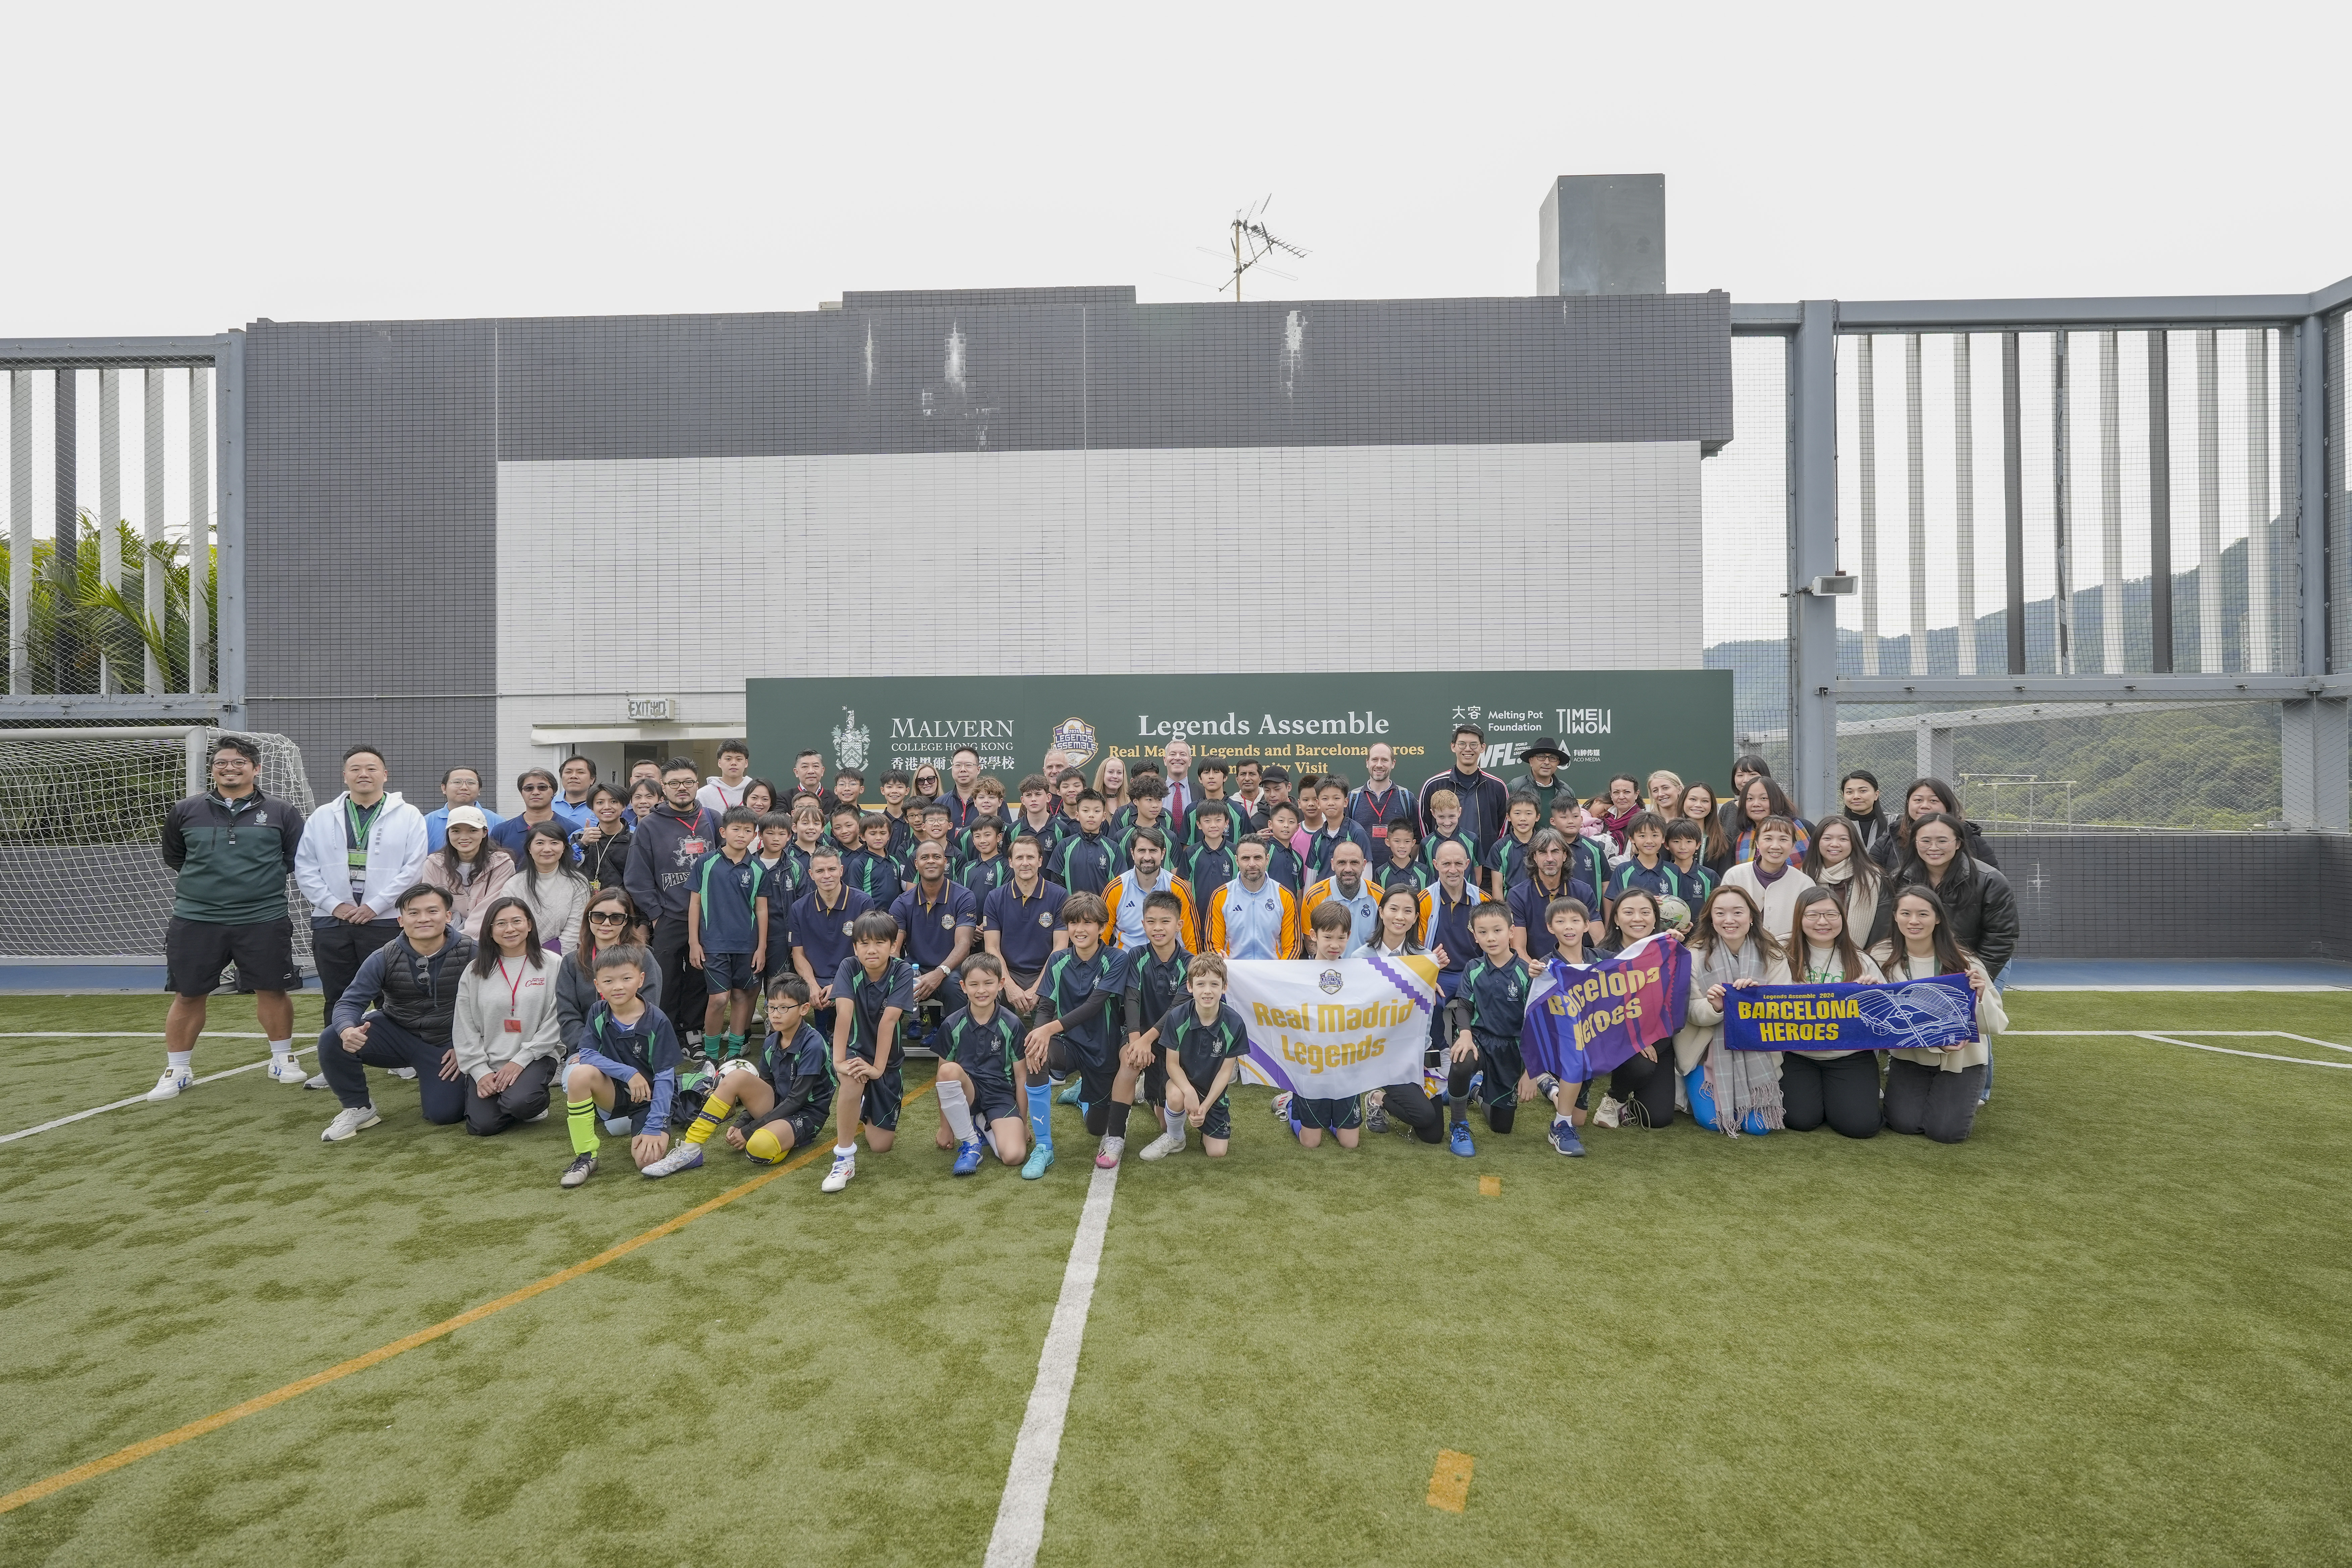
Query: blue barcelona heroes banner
point(1914, 1014)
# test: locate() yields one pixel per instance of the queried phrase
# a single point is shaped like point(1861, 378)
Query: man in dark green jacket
point(233, 848)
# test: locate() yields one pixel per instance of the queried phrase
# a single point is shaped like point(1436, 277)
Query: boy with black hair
point(1157, 969)
point(727, 931)
point(1485, 1018)
point(1201, 1041)
point(1328, 930)
point(628, 1066)
point(823, 922)
point(1645, 864)
point(1073, 1036)
point(1084, 861)
point(786, 1089)
point(1587, 859)
point(982, 867)
point(872, 870)
point(874, 991)
point(1507, 862)
point(987, 794)
point(980, 1074)
point(1146, 798)
point(782, 879)
point(849, 788)
point(1069, 784)
point(842, 828)
point(1689, 879)
point(1283, 863)
point(1338, 827)
point(1404, 867)
point(1209, 862)
point(1444, 828)
point(1310, 801)
point(896, 784)
point(1037, 817)
point(723, 792)
point(934, 824)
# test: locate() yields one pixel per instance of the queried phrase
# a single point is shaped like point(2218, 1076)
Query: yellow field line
point(382, 1354)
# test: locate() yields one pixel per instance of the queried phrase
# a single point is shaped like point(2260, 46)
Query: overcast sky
point(209, 164)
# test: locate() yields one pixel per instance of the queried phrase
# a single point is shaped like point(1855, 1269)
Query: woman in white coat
point(1936, 1091)
point(1728, 1092)
point(505, 1031)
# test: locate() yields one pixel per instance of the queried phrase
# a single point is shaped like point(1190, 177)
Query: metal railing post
point(1812, 552)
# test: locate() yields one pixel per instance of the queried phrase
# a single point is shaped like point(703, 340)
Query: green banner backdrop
point(1608, 720)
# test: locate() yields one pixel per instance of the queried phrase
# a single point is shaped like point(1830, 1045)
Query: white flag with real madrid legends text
point(1331, 1030)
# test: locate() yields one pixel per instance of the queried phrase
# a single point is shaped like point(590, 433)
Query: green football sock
point(579, 1115)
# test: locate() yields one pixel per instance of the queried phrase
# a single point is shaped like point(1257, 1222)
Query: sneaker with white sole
point(1611, 1111)
point(1107, 1156)
point(582, 1166)
point(1169, 1142)
point(288, 1071)
point(350, 1122)
point(684, 1157)
point(843, 1167)
point(408, 1073)
point(169, 1086)
point(316, 1080)
point(1280, 1106)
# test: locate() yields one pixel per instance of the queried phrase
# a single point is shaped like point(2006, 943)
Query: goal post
point(81, 819)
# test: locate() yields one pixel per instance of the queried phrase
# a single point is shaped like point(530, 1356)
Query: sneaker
point(1611, 1112)
point(1475, 1079)
point(1040, 1161)
point(541, 1117)
point(1459, 1140)
point(968, 1155)
point(1547, 1088)
point(408, 1073)
point(1280, 1106)
point(286, 1070)
point(169, 1086)
point(1106, 1157)
point(1070, 1094)
point(350, 1122)
point(1564, 1139)
point(843, 1167)
point(1169, 1142)
point(316, 1080)
point(618, 1126)
point(1376, 1113)
point(684, 1157)
point(582, 1166)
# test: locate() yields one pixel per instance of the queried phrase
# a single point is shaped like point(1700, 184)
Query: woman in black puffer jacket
point(1983, 907)
point(1923, 795)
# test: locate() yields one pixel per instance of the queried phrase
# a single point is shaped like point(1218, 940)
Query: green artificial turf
point(2111, 1328)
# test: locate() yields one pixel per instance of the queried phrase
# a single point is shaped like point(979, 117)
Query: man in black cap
point(1543, 759)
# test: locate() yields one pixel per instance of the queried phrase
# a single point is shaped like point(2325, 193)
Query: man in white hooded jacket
point(359, 853)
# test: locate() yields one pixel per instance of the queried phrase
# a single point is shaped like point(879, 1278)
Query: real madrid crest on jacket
point(1254, 923)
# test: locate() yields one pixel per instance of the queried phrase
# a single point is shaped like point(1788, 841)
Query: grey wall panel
point(372, 512)
point(422, 738)
point(1039, 378)
point(2188, 895)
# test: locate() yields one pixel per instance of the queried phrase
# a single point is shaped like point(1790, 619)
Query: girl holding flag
point(1840, 1088)
point(1936, 1091)
point(1729, 1091)
point(1641, 1090)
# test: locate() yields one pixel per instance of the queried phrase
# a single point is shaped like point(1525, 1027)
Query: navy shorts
point(1331, 1115)
point(804, 1124)
point(884, 1096)
point(1219, 1121)
point(196, 951)
point(725, 972)
point(993, 1097)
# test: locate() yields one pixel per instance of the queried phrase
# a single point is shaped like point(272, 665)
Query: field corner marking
point(1449, 1481)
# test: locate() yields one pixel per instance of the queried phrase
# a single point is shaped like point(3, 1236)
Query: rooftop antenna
point(1252, 242)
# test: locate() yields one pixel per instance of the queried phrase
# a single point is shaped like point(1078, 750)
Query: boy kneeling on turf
point(1201, 1039)
point(1487, 1016)
point(1073, 1036)
point(979, 1081)
point(871, 991)
point(1329, 931)
point(628, 1066)
point(786, 1087)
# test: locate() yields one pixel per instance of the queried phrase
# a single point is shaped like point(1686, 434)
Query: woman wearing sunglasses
point(611, 921)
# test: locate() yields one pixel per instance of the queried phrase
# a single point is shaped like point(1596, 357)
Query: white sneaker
point(843, 1167)
point(408, 1073)
point(1167, 1143)
point(349, 1123)
point(169, 1086)
point(1611, 1112)
point(684, 1157)
point(316, 1080)
point(287, 1070)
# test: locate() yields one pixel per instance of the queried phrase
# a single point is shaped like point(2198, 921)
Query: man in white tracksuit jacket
point(359, 853)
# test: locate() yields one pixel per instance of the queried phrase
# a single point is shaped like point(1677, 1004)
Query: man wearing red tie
point(1176, 757)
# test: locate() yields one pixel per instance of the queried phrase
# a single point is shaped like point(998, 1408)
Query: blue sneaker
point(1475, 1079)
point(968, 1157)
point(1069, 1095)
point(1564, 1138)
point(1040, 1161)
point(1459, 1141)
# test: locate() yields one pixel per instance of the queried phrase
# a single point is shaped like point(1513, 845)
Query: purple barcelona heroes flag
point(1584, 1019)
point(1930, 1014)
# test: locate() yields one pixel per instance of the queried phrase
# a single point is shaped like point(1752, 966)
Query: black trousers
point(1410, 1103)
point(518, 1102)
point(338, 947)
point(1943, 1105)
point(442, 1100)
point(1843, 1091)
point(683, 991)
point(1649, 1085)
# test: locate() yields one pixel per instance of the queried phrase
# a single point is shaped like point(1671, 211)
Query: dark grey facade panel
point(422, 738)
point(2256, 895)
point(964, 299)
point(371, 527)
point(1040, 378)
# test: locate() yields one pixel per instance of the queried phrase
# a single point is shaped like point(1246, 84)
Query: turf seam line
point(149, 1447)
point(138, 1099)
point(1029, 1480)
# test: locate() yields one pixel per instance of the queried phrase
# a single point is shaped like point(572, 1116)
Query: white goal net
point(81, 823)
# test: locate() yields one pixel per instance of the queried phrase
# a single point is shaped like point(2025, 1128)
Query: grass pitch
point(2111, 1328)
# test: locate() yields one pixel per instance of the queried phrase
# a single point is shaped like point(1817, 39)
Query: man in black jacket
point(1484, 798)
point(669, 839)
point(399, 1012)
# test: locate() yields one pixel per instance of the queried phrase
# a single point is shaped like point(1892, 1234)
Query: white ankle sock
point(280, 1049)
point(178, 1061)
point(958, 1111)
point(840, 1150)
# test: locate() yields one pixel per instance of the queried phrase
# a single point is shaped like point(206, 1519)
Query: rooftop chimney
point(1603, 234)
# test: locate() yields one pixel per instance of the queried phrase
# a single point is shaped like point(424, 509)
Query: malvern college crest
point(850, 740)
point(1074, 738)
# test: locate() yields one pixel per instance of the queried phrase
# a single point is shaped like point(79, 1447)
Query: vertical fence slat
point(20, 532)
point(151, 572)
point(1866, 457)
point(110, 502)
point(2259, 651)
point(1964, 498)
point(1915, 502)
point(65, 560)
point(2061, 502)
point(2209, 505)
point(200, 509)
point(2160, 501)
point(2111, 513)
point(2013, 442)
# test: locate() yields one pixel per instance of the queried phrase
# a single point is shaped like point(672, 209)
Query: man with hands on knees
point(399, 1011)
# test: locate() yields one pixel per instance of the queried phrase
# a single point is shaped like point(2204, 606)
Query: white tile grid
point(1504, 556)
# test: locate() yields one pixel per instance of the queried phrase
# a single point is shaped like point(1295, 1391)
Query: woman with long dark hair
point(1729, 1091)
point(468, 868)
point(1981, 907)
point(1840, 1088)
point(1923, 797)
point(1760, 800)
point(1716, 853)
point(611, 921)
point(1864, 893)
point(1642, 1087)
point(550, 882)
point(1932, 1091)
point(505, 1030)
point(601, 849)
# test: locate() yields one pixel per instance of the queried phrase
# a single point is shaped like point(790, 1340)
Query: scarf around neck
point(1744, 1084)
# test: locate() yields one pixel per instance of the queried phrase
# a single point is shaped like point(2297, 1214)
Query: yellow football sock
point(579, 1115)
point(705, 1121)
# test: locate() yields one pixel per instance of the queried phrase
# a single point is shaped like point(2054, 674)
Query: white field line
point(141, 1098)
point(2264, 1056)
point(2218, 1034)
point(1020, 1514)
point(124, 1035)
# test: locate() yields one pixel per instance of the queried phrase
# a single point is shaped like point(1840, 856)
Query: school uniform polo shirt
point(727, 889)
point(1024, 928)
point(930, 924)
point(822, 929)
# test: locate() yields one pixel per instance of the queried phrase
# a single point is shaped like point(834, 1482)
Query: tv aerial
point(1252, 242)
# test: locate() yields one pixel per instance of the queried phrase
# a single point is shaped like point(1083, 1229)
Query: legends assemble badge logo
point(1074, 738)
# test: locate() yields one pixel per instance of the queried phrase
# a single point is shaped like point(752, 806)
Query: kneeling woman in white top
point(1936, 1091)
point(505, 1032)
point(1840, 1088)
point(1729, 1091)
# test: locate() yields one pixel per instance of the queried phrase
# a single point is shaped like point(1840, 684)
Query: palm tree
point(69, 631)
